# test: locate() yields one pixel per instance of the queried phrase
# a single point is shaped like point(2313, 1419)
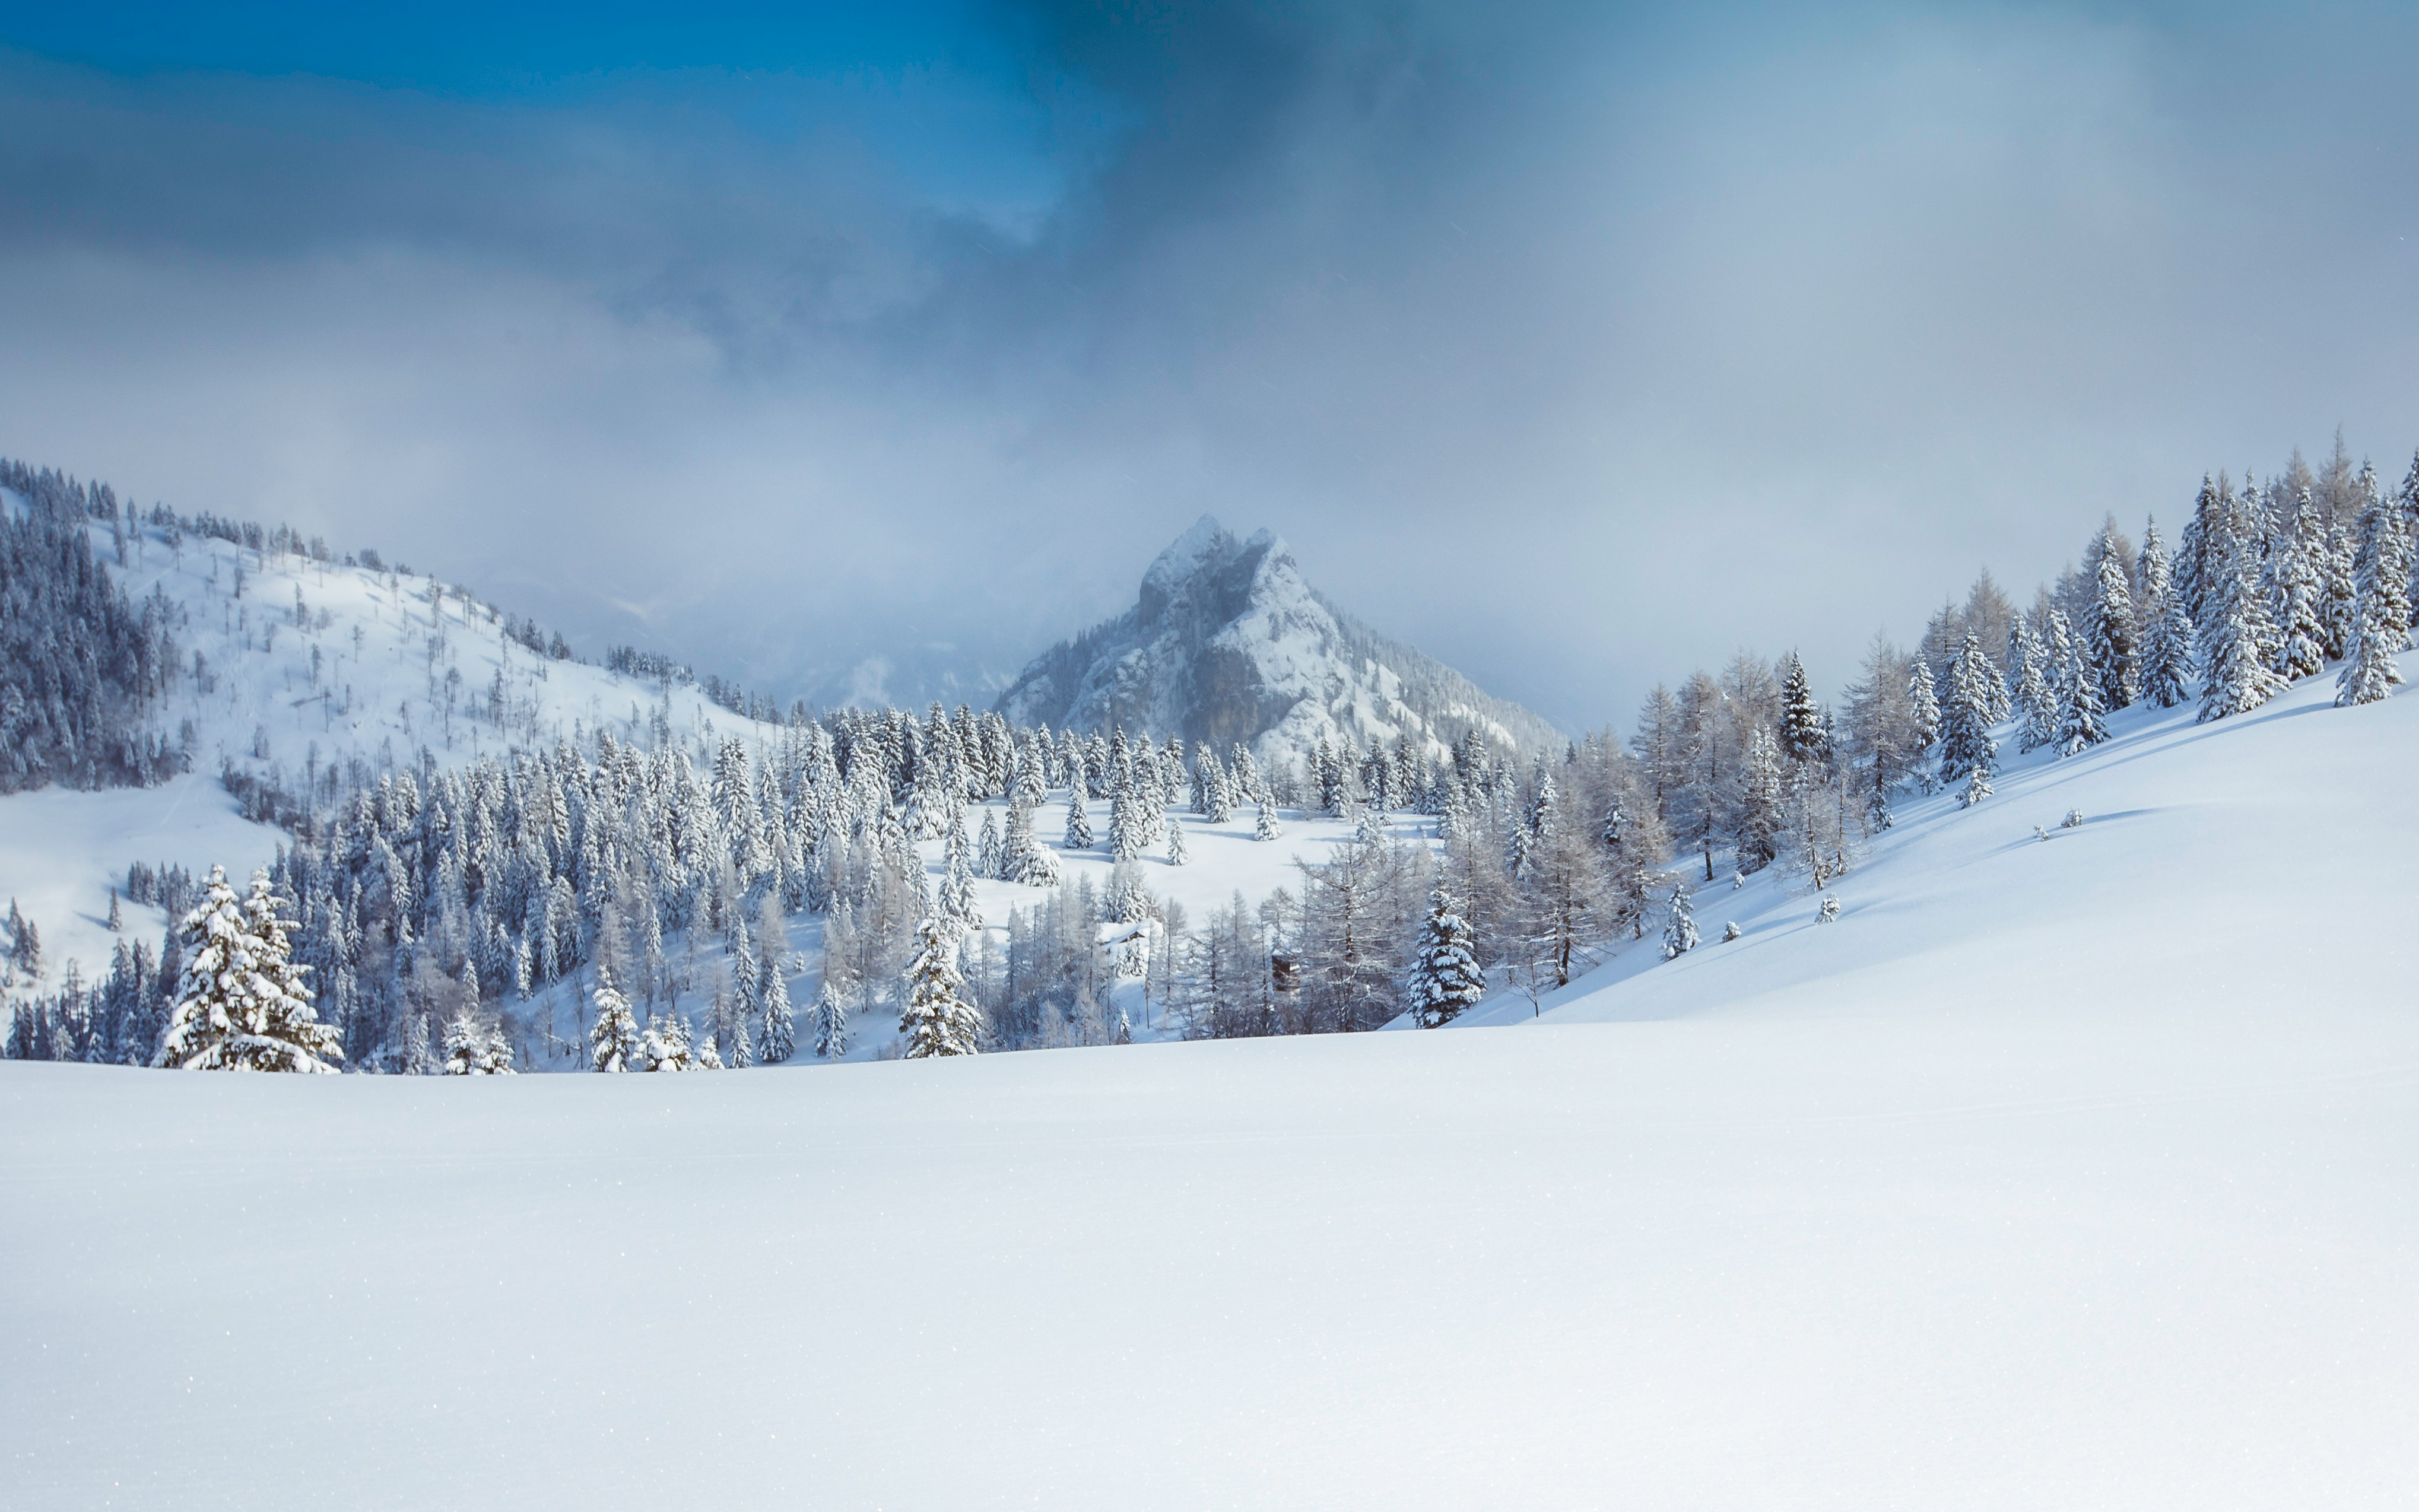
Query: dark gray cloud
point(1577, 346)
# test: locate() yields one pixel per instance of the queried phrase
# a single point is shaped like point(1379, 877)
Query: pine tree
point(667, 1045)
point(2237, 635)
point(1024, 857)
point(1176, 854)
point(1966, 743)
point(2111, 645)
point(1757, 822)
point(473, 1049)
point(2080, 726)
point(242, 1004)
point(1265, 825)
point(936, 1020)
point(1978, 787)
point(1803, 738)
point(987, 861)
point(831, 1022)
point(1079, 825)
point(613, 1039)
point(2033, 696)
point(1925, 701)
point(2168, 629)
point(116, 921)
point(2380, 629)
point(1680, 930)
point(2295, 565)
point(1445, 979)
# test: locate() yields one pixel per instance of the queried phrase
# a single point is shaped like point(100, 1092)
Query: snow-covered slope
point(291, 670)
point(2075, 1173)
point(1227, 644)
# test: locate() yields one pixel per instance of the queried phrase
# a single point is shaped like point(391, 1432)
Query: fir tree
point(613, 1039)
point(1680, 930)
point(1079, 825)
point(1445, 979)
point(2380, 629)
point(2296, 564)
point(1177, 855)
point(242, 1004)
point(831, 1022)
point(2112, 647)
point(1803, 738)
point(2237, 636)
point(2168, 629)
point(777, 1034)
point(2033, 696)
point(1966, 743)
point(2080, 726)
point(116, 921)
point(1265, 825)
point(1924, 703)
point(474, 1049)
point(987, 861)
point(668, 1044)
point(1978, 787)
point(1759, 817)
point(936, 1020)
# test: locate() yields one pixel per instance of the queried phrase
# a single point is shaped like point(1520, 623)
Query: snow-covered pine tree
point(1978, 787)
point(1265, 825)
point(2167, 628)
point(2033, 697)
point(1803, 738)
point(987, 852)
point(1026, 858)
point(1079, 825)
point(1445, 981)
point(1125, 821)
point(2380, 629)
point(1680, 930)
point(831, 1022)
point(613, 1039)
point(241, 1004)
point(1176, 854)
point(1924, 700)
point(2338, 578)
point(1756, 822)
point(1966, 743)
point(668, 1044)
point(2296, 564)
point(2237, 636)
point(2080, 722)
point(738, 1014)
point(2112, 652)
point(474, 1048)
point(936, 1019)
point(778, 1033)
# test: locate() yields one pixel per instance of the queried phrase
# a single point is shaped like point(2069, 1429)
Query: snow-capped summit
point(1228, 644)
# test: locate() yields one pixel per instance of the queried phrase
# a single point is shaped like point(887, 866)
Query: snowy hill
point(296, 674)
point(1228, 644)
point(2057, 1173)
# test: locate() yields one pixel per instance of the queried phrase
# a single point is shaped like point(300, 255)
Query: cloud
point(1577, 347)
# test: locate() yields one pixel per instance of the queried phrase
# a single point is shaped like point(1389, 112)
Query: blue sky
point(782, 338)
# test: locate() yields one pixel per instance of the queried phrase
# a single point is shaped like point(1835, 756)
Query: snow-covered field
point(2080, 1173)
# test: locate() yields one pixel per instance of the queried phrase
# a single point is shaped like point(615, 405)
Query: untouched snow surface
point(2071, 1174)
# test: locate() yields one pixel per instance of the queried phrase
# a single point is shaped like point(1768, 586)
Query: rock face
point(1227, 644)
